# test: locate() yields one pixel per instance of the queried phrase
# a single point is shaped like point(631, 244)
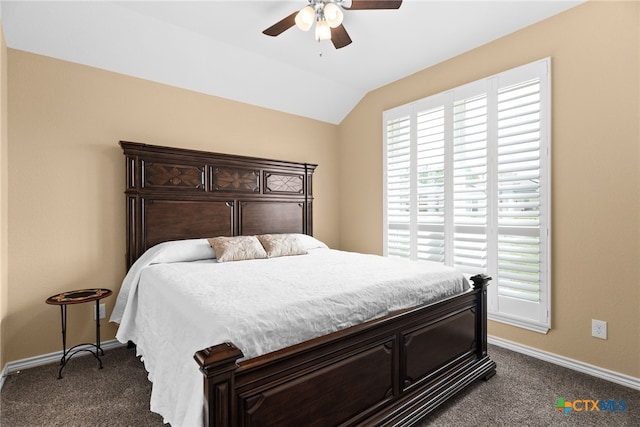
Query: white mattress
point(173, 309)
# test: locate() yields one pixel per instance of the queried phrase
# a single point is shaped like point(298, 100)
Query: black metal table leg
point(76, 297)
point(63, 318)
point(98, 346)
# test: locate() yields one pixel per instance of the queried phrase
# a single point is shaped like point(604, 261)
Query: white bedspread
point(173, 309)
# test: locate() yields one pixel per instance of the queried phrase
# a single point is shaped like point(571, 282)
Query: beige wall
point(595, 53)
point(66, 201)
point(4, 190)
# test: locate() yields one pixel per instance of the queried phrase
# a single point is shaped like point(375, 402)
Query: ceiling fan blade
point(281, 26)
point(339, 37)
point(375, 4)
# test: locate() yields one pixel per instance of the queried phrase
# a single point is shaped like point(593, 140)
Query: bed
point(390, 370)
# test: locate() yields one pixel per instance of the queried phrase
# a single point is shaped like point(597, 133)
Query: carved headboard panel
point(174, 193)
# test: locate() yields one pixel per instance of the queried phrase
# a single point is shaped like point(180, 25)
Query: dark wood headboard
point(174, 194)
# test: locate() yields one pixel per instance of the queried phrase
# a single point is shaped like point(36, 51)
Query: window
point(467, 184)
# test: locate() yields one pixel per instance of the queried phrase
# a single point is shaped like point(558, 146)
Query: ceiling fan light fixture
point(323, 30)
point(328, 16)
point(333, 14)
point(305, 18)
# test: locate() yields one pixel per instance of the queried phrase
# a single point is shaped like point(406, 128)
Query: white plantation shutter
point(469, 192)
point(523, 197)
point(398, 187)
point(467, 183)
point(430, 185)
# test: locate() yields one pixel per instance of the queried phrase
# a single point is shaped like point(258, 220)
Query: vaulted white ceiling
point(217, 47)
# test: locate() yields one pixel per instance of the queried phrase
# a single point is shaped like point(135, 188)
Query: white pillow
point(181, 251)
point(310, 242)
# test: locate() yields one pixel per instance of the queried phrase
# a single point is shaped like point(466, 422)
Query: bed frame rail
point(389, 371)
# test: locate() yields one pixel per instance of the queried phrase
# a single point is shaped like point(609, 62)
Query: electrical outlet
point(599, 329)
point(103, 311)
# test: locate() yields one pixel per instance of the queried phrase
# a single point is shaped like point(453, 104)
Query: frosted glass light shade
point(323, 30)
point(305, 18)
point(333, 14)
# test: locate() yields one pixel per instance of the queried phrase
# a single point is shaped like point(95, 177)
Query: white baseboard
point(32, 362)
point(595, 371)
point(605, 374)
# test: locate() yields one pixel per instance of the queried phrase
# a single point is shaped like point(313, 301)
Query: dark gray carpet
point(523, 393)
point(117, 395)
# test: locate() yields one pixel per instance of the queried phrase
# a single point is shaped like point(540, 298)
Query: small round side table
point(78, 297)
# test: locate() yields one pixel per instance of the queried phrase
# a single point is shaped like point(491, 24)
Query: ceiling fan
point(327, 15)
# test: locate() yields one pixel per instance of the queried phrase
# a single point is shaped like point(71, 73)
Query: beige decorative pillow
point(281, 245)
point(237, 248)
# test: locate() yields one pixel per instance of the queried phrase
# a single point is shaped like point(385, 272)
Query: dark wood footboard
point(389, 371)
